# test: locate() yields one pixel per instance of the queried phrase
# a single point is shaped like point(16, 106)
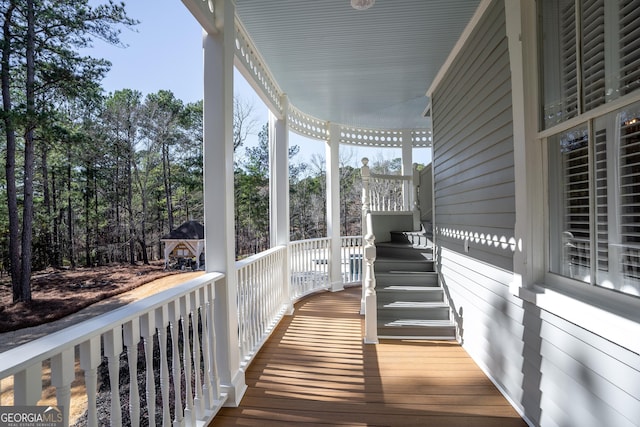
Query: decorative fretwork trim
point(307, 125)
point(253, 63)
point(304, 124)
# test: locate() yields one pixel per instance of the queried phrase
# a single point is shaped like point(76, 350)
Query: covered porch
point(315, 370)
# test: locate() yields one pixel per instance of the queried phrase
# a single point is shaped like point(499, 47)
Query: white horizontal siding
point(556, 372)
point(553, 370)
point(492, 318)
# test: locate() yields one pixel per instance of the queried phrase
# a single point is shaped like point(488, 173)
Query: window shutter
point(629, 45)
point(602, 221)
point(592, 54)
point(576, 195)
point(569, 63)
point(630, 197)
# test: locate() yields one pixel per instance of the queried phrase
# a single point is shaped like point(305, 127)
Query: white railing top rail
point(305, 241)
point(20, 358)
point(391, 177)
point(256, 257)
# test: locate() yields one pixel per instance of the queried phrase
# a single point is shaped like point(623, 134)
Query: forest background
point(89, 179)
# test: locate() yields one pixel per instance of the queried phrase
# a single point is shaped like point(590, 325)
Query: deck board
point(316, 371)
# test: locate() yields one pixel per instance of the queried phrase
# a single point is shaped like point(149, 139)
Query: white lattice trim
point(421, 138)
point(253, 63)
point(370, 137)
point(307, 125)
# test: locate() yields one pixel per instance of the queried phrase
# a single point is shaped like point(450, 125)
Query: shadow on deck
point(315, 370)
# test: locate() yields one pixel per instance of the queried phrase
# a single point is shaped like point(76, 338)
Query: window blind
point(630, 196)
point(575, 156)
point(629, 45)
point(592, 53)
point(569, 62)
point(602, 210)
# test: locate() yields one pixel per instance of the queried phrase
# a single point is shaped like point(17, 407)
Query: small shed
point(185, 242)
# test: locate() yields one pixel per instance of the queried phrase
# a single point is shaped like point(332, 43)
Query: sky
point(165, 52)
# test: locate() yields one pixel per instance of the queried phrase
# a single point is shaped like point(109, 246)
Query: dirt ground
point(58, 293)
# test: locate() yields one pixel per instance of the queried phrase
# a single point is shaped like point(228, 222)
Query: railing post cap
point(365, 161)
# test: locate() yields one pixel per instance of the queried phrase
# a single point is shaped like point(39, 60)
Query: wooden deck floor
point(315, 370)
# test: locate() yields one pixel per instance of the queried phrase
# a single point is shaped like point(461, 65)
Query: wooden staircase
point(411, 301)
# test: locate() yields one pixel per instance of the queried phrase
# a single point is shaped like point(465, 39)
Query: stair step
point(417, 329)
point(407, 278)
point(391, 293)
point(414, 237)
point(413, 310)
point(388, 265)
point(418, 305)
point(403, 251)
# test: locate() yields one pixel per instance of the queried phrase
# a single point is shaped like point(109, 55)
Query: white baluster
point(195, 317)
point(162, 324)
point(207, 391)
point(112, 350)
point(62, 375)
point(89, 361)
point(131, 340)
point(147, 331)
point(253, 307)
point(174, 326)
point(211, 330)
point(185, 307)
point(27, 386)
point(241, 298)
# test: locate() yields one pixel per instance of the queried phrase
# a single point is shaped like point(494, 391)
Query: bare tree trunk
point(10, 161)
point(87, 225)
point(166, 175)
point(72, 254)
point(96, 224)
point(143, 196)
point(29, 159)
point(46, 199)
point(132, 225)
point(57, 261)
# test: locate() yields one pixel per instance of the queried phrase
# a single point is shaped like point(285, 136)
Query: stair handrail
point(365, 175)
point(369, 286)
point(368, 306)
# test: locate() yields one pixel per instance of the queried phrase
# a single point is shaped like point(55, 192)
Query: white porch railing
point(263, 298)
point(388, 193)
point(178, 320)
point(351, 255)
point(309, 264)
point(392, 193)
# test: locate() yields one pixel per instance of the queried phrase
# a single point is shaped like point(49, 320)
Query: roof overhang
point(366, 69)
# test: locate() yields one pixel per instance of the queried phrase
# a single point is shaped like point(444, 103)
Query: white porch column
point(528, 262)
point(408, 187)
point(218, 50)
point(333, 208)
point(279, 189)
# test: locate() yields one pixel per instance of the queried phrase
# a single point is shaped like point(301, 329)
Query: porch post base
point(235, 391)
point(337, 286)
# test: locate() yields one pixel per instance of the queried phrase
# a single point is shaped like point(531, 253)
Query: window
point(590, 55)
point(594, 201)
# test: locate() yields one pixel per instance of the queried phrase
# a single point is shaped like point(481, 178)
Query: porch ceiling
point(367, 68)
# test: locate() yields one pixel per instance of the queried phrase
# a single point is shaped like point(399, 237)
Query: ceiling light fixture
point(362, 4)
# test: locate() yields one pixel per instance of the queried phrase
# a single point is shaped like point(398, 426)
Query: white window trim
point(609, 314)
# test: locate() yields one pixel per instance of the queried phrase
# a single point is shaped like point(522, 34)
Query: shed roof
point(190, 230)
